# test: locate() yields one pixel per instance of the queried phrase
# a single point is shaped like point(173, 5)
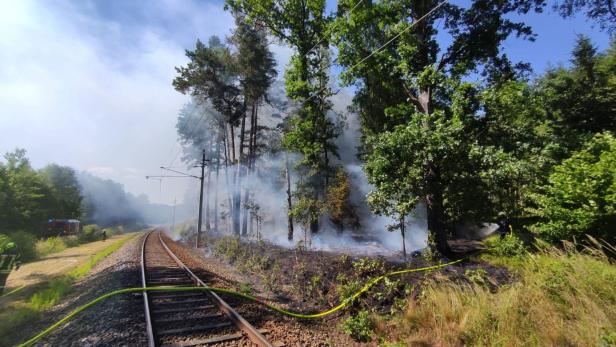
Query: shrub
point(50, 245)
point(229, 248)
point(346, 290)
point(246, 288)
point(359, 327)
point(508, 246)
point(48, 297)
point(118, 230)
point(4, 242)
point(477, 276)
point(26, 245)
point(367, 267)
point(72, 241)
point(91, 232)
point(581, 195)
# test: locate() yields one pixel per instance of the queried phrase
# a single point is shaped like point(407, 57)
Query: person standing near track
point(8, 262)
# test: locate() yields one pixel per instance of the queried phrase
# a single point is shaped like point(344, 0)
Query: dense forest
point(30, 197)
point(453, 126)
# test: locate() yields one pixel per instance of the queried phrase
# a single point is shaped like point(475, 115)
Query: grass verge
point(562, 298)
point(32, 309)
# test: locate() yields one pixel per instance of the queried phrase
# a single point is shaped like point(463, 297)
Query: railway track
point(187, 318)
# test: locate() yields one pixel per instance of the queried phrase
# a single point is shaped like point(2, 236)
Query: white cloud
point(80, 89)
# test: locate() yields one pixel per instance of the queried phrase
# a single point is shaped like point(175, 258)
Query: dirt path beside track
point(56, 264)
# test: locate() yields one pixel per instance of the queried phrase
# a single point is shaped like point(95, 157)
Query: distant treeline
point(30, 197)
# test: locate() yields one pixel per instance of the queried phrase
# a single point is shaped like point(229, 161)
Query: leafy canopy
point(581, 195)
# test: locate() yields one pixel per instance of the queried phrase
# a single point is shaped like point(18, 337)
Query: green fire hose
point(340, 306)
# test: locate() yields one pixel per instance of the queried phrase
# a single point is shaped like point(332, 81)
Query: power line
point(308, 52)
point(321, 40)
point(192, 128)
point(373, 52)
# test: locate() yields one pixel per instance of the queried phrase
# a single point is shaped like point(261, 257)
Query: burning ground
point(311, 281)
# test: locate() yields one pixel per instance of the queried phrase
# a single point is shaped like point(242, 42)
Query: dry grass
point(21, 313)
point(563, 298)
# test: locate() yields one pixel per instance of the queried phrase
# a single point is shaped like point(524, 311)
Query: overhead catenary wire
point(373, 52)
point(192, 128)
point(380, 48)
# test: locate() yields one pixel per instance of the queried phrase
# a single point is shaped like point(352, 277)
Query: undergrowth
point(249, 260)
point(563, 298)
point(359, 326)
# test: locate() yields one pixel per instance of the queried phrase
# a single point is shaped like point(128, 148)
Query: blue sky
point(88, 83)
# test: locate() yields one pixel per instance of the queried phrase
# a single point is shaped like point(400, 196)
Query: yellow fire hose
point(340, 306)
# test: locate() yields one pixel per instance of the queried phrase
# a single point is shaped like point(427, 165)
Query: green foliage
point(90, 232)
point(5, 243)
point(311, 132)
point(581, 195)
point(580, 100)
point(246, 288)
point(306, 209)
point(339, 205)
point(602, 12)
point(346, 290)
point(20, 316)
point(83, 269)
point(608, 338)
point(229, 248)
point(65, 191)
point(368, 267)
point(360, 326)
point(421, 121)
point(26, 245)
point(50, 245)
point(453, 178)
point(15, 319)
point(508, 246)
point(255, 62)
point(28, 198)
point(271, 278)
point(46, 298)
point(477, 276)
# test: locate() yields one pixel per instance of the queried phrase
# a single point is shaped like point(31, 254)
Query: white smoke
point(267, 186)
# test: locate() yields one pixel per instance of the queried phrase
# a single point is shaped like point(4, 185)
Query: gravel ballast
point(117, 321)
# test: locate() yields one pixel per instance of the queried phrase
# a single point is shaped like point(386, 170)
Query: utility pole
point(173, 221)
point(202, 165)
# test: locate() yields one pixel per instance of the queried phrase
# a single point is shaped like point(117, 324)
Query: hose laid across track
point(204, 288)
point(188, 318)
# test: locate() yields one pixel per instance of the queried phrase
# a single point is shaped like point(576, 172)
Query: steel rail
point(253, 334)
point(148, 318)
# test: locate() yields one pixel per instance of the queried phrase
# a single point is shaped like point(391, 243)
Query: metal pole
point(173, 223)
point(200, 200)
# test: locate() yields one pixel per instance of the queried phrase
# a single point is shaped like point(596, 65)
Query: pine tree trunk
point(232, 149)
point(235, 211)
point(227, 180)
point(242, 163)
point(244, 168)
point(403, 231)
point(216, 187)
point(289, 201)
